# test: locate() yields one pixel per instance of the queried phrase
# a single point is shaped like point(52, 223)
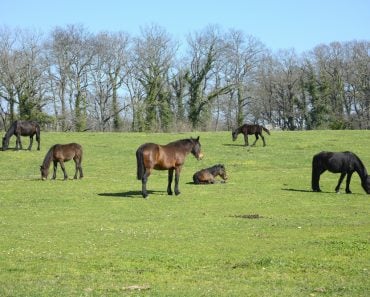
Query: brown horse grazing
point(207, 176)
point(22, 128)
point(169, 157)
point(62, 153)
point(250, 130)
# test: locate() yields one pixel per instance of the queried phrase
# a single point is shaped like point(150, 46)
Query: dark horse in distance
point(60, 153)
point(22, 128)
point(247, 129)
point(207, 175)
point(169, 157)
point(345, 163)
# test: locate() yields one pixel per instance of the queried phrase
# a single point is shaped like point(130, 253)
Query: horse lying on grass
point(345, 163)
point(207, 176)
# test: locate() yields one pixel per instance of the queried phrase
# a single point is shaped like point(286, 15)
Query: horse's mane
point(11, 130)
point(182, 142)
point(214, 168)
point(362, 170)
point(48, 157)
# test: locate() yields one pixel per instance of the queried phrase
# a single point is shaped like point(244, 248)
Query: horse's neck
point(361, 170)
point(10, 131)
point(47, 160)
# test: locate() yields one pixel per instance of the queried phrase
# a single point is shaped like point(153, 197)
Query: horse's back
point(67, 151)
point(335, 161)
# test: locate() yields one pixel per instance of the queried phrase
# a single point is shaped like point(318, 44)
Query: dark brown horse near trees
point(169, 157)
point(60, 153)
point(345, 163)
point(247, 129)
point(22, 128)
point(208, 175)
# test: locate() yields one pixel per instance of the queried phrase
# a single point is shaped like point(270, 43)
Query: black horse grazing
point(247, 129)
point(207, 176)
point(22, 128)
point(344, 163)
point(62, 153)
point(169, 157)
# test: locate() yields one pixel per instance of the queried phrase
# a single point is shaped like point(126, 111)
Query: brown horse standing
point(247, 129)
point(60, 153)
point(22, 128)
point(169, 157)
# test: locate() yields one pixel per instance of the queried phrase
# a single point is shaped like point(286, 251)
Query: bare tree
point(108, 71)
point(153, 54)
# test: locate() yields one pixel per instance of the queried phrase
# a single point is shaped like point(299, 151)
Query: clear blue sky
point(279, 24)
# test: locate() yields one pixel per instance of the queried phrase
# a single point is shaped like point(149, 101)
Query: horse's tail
point(37, 131)
point(316, 166)
point(266, 130)
point(140, 163)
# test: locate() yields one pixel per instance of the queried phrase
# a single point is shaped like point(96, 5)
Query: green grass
point(99, 237)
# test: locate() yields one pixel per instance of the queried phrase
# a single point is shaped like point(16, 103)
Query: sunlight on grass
point(262, 233)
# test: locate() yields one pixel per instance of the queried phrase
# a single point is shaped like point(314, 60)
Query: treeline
point(72, 79)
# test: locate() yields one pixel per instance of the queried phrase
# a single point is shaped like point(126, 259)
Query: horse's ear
point(197, 138)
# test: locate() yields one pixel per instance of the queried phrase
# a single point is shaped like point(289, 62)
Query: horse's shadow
point(129, 194)
point(233, 144)
point(302, 190)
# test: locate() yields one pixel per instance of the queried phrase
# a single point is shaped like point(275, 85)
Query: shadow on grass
point(233, 144)
point(129, 194)
point(303, 191)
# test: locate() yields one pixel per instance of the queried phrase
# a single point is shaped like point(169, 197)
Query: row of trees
point(71, 79)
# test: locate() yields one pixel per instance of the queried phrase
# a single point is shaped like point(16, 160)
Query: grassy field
point(263, 233)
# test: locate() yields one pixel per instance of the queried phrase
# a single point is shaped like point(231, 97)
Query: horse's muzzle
point(200, 156)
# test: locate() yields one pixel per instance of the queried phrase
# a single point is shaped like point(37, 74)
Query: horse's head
point(44, 172)
point(234, 134)
point(366, 184)
point(222, 172)
point(196, 150)
point(5, 144)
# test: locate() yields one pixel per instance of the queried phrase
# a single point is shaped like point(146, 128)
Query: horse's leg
point(38, 141)
point(246, 139)
point(64, 170)
point(170, 178)
point(144, 181)
point(177, 178)
point(18, 143)
point(80, 168)
point(340, 182)
point(348, 181)
point(55, 163)
point(263, 139)
point(76, 167)
point(31, 141)
point(315, 181)
point(255, 134)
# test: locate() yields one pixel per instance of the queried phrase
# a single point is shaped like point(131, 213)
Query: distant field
point(262, 233)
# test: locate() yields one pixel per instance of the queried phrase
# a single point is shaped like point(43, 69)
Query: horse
point(345, 163)
point(60, 153)
point(169, 157)
point(207, 175)
point(247, 129)
point(22, 128)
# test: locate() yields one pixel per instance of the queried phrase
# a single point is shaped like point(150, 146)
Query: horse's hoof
point(177, 193)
